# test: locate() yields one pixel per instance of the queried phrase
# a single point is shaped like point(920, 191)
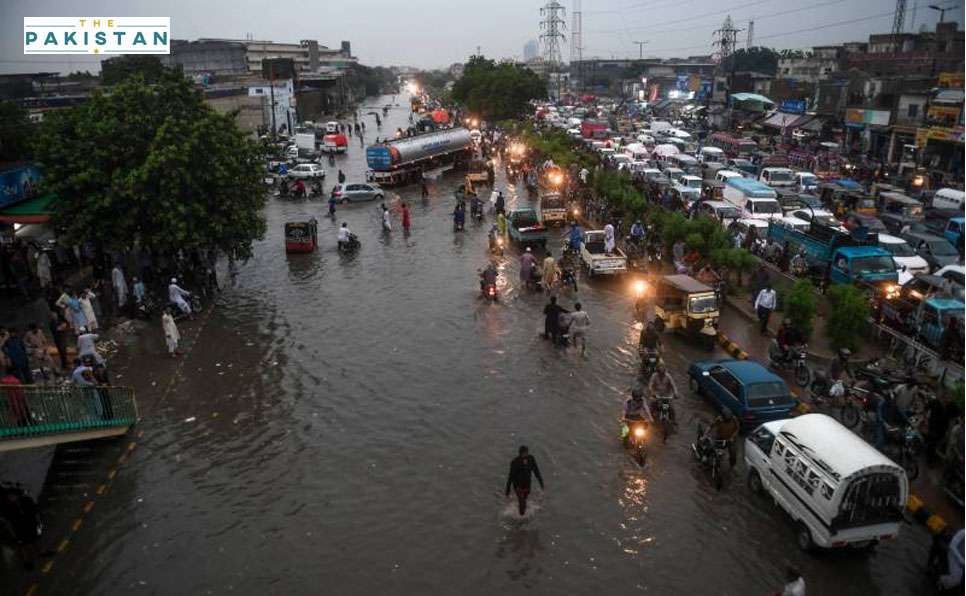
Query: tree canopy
point(497, 91)
point(152, 166)
point(149, 67)
point(757, 59)
point(15, 130)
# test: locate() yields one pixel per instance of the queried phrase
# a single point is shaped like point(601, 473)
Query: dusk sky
point(435, 33)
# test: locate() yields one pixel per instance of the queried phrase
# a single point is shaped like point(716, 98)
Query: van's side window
point(780, 449)
point(763, 439)
point(827, 491)
point(813, 479)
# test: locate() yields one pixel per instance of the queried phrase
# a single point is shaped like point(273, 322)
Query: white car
point(821, 216)
point(908, 263)
point(307, 170)
point(956, 276)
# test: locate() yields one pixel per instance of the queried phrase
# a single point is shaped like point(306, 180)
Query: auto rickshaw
point(553, 209)
point(683, 303)
point(301, 236)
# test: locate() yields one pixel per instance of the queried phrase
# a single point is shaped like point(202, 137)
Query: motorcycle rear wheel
point(803, 376)
point(850, 415)
point(716, 473)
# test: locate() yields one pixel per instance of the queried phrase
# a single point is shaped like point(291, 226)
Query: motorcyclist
point(707, 275)
point(487, 277)
point(501, 223)
point(317, 187)
point(298, 189)
point(662, 387)
point(576, 238)
point(345, 236)
point(787, 338)
point(725, 427)
point(839, 369)
point(459, 216)
point(476, 206)
point(500, 204)
point(635, 408)
point(637, 234)
point(887, 414)
point(650, 340)
point(492, 235)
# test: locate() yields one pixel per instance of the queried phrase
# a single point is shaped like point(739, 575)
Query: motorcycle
point(664, 417)
point(793, 359)
point(634, 436)
point(350, 245)
point(907, 443)
point(489, 291)
point(476, 212)
point(298, 192)
point(649, 361)
point(146, 308)
point(709, 452)
point(316, 189)
point(568, 278)
point(496, 245)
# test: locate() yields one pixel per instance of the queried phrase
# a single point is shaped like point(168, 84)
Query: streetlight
point(942, 11)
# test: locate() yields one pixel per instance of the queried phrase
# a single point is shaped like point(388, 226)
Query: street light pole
point(640, 46)
point(942, 11)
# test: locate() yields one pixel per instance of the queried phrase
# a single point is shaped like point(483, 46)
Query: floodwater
point(344, 426)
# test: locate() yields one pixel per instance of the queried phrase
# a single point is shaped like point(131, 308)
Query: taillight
point(748, 415)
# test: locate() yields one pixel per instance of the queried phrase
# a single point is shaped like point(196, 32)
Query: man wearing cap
point(177, 295)
point(527, 263)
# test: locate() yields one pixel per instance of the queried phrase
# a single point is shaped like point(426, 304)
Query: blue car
point(753, 393)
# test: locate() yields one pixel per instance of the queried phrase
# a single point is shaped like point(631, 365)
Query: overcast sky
point(435, 33)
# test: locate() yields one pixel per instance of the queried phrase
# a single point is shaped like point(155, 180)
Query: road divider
point(731, 347)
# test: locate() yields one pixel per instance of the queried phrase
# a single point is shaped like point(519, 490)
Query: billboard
point(18, 184)
point(792, 106)
point(858, 118)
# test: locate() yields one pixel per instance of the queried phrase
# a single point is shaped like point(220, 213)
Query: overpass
point(39, 415)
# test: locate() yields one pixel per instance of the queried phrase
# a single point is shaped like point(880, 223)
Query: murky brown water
point(355, 417)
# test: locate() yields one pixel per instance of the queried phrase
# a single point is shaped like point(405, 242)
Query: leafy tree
point(116, 70)
point(371, 80)
point(497, 91)
point(758, 59)
point(15, 131)
point(738, 260)
point(152, 166)
point(849, 309)
point(799, 305)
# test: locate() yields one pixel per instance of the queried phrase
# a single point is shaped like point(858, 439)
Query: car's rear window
point(761, 395)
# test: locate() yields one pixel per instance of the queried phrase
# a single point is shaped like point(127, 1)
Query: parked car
point(955, 277)
point(719, 210)
point(352, 193)
point(896, 223)
point(837, 489)
point(818, 215)
point(306, 170)
point(749, 390)
point(937, 251)
point(869, 222)
point(908, 263)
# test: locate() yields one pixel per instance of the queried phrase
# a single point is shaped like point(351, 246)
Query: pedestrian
point(86, 346)
point(43, 270)
point(138, 291)
point(59, 328)
point(119, 283)
point(610, 241)
point(549, 271)
point(341, 177)
point(579, 323)
point(528, 263)
point(501, 223)
point(78, 320)
point(171, 334)
point(36, 344)
point(12, 390)
point(764, 305)
point(758, 281)
point(19, 511)
point(16, 353)
point(522, 467)
point(86, 300)
point(386, 219)
point(406, 217)
point(177, 295)
point(551, 320)
point(423, 187)
point(794, 584)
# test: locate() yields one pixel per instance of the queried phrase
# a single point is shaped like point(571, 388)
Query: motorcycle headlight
point(639, 432)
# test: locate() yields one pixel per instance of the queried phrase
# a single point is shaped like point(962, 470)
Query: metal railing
point(33, 410)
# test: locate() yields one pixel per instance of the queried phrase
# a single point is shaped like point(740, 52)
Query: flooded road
point(345, 424)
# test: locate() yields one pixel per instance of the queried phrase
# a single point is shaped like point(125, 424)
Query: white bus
point(838, 489)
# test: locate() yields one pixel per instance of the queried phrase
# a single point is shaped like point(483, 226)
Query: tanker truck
point(402, 161)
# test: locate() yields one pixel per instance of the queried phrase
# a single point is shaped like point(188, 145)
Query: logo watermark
point(97, 35)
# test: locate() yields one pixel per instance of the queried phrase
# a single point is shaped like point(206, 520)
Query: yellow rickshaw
point(683, 303)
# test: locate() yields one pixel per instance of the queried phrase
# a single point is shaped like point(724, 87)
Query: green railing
point(33, 410)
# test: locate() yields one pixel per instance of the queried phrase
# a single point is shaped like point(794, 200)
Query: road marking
point(63, 544)
point(32, 590)
point(101, 489)
point(47, 567)
point(88, 506)
point(112, 474)
point(77, 524)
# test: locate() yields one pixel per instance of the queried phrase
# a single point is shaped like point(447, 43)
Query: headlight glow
point(639, 432)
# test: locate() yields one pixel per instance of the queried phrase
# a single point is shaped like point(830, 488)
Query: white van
point(837, 488)
point(714, 154)
point(777, 177)
point(331, 126)
point(948, 198)
point(794, 223)
point(723, 175)
point(805, 181)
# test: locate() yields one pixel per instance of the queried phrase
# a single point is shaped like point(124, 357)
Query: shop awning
point(784, 120)
point(814, 125)
point(32, 211)
point(759, 101)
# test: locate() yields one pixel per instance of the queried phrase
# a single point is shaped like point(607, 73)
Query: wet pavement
point(343, 424)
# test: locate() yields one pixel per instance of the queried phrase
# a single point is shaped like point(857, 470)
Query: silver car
point(306, 170)
point(351, 193)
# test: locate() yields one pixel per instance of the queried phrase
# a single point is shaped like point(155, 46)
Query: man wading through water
point(520, 469)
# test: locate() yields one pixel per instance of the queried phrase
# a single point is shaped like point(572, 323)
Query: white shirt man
point(386, 222)
point(344, 234)
point(609, 241)
point(171, 334)
point(766, 299)
point(177, 296)
point(120, 285)
point(86, 347)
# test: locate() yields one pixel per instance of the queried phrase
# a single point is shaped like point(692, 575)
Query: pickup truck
point(596, 260)
point(525, 227)
point(838, 256)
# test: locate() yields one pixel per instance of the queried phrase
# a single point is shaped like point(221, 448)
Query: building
point(531, 50)
point(207, 57)
point(929, 52)
point(308, 55)
point(657, 75)
point(813, 66)
point(285, 115)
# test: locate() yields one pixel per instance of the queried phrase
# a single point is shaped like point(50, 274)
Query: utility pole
point(271, 87)
point(751, 35)
point(552, 27)
point(726, 39)
point(898, 23)
point(576, 43)
point(640, 47)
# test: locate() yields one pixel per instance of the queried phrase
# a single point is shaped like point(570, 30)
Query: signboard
point(857, 118)
point(18, 184)
point(938, 133)
point(792, 106)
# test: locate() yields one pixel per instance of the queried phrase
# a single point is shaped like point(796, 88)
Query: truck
point(590, 129)
point(525, 227)
point(840, 257)
point(403, 160)
point(305, 141)
point(752, 198)
point(596, 260)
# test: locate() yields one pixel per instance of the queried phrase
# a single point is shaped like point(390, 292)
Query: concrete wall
point(250, 110)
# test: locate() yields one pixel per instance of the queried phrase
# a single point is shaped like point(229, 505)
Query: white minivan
point(837, 488)
point(948, 198)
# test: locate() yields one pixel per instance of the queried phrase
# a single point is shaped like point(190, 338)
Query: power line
point(757, 17)
point(684, 19)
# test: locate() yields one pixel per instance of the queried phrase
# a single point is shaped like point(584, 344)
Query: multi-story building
point(212, 56)
point(812, 67)
point(240, 56)
point(929, 52)
point(531, 50)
